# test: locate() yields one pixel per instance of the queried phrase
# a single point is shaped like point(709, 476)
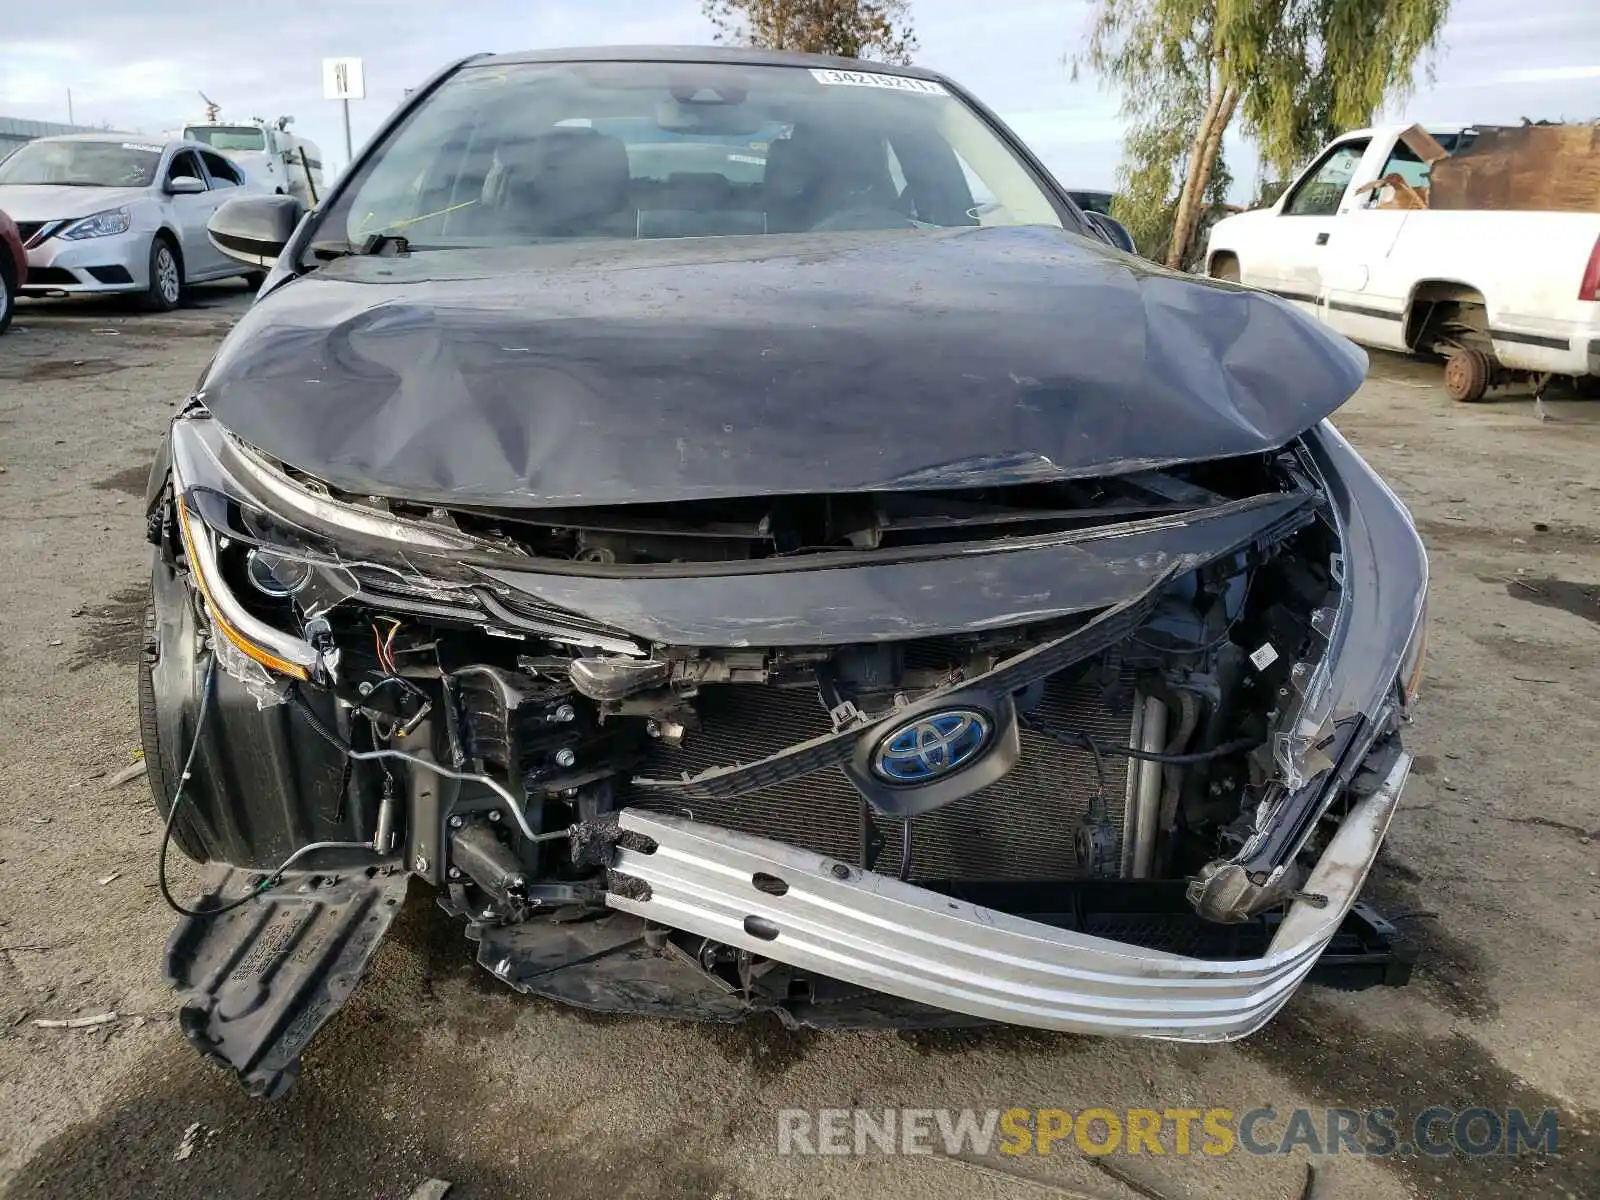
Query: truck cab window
point(223, 173)
point(1319, 193)
point(1405, 163)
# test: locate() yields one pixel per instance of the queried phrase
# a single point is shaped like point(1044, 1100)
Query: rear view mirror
point(254, 229)
point(722, 118)
point(1113, 231)
point(185, 185)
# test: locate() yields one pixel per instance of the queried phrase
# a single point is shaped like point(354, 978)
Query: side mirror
point(1113, 231)
point(254, 229)
point(185, 185)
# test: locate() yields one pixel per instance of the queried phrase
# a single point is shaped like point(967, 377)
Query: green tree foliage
point(1294, 72)
point(879, 29)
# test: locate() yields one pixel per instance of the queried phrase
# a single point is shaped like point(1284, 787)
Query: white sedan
point(110, 213)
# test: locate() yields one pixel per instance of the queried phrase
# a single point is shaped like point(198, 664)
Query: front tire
point(161, 765)
point(1466, 374)
point(165, 292)
point(8, 297)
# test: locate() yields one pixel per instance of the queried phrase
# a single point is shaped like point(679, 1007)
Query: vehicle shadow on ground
point(223, 293)
point(379, 1109)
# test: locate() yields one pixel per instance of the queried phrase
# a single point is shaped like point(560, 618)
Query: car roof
point(138, 138)
point(705, 54)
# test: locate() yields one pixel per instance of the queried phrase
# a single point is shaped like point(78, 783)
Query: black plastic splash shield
point(256, 983)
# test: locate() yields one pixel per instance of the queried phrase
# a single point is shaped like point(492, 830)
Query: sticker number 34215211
point(897, 83)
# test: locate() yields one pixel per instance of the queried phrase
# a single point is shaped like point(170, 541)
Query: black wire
point(172, 818)
point(1071, 737)
point(311, 719)
point(1098, 803)
point(276, 875)
point(1237, 746)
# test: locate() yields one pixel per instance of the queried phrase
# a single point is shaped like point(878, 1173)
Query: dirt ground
point(435, 1071)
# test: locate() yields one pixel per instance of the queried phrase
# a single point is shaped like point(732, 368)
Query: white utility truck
point(271, 156)
point(1478, 244)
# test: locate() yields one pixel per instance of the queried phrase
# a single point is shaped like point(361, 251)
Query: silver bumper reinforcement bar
point(874, 931)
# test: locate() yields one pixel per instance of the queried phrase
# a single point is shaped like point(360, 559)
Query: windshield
point(228, 137)
point(505, 154)
point(82, 164)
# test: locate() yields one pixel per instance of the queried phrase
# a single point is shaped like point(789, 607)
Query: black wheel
point(165, 292)
point(1587, 386)
point(161, 767)
point(1466, 374)
point(8, 297)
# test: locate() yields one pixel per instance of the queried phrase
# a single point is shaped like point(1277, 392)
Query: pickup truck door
point(1294, 248)
point(1364, 296)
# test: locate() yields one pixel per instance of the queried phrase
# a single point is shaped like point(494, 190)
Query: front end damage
point(1109, 755)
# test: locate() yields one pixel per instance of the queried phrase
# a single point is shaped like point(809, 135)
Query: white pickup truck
point(1499, 294)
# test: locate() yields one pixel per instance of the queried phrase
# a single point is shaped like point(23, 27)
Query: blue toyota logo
point(933, 746)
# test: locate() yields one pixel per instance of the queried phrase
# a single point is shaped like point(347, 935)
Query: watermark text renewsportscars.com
point(1435, 1131)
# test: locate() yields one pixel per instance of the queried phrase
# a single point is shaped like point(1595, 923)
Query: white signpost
point(344, 80)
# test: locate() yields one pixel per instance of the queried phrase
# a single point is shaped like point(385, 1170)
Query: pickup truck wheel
point(1466, 375)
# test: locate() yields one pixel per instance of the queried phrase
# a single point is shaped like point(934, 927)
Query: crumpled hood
point(58, 201)
point(635, 371)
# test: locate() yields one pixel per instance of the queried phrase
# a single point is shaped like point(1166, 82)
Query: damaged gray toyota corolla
point(727, 525)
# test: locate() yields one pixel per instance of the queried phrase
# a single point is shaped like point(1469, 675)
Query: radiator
point(1020, 828)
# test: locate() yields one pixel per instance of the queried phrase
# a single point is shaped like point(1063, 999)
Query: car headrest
point(818, 167)
point(557, 179)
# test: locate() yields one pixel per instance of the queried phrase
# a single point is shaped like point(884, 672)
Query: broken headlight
point(1371, 635)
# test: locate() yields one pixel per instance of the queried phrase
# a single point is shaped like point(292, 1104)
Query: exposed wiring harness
point(298, 703)
point(385, 646)
point(511, 804)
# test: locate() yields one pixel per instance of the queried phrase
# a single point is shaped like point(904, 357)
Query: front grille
point(1016, 829)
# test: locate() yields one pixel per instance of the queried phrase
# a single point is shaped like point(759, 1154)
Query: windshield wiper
point(385, 245)
point(374, 245)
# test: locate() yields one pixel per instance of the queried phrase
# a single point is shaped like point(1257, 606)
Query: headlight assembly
point(101, 224)
point(1365, 660)
point(1374, 634)
point(274, 649)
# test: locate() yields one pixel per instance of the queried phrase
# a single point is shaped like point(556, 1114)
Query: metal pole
point(348, 153)
point(69, 106)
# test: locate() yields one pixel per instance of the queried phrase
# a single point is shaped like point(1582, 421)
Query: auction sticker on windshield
point(141, 146)
point(898, 83)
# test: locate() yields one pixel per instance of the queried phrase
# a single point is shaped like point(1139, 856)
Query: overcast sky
point(141, 67)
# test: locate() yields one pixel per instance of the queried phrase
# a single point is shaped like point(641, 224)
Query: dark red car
point(13, 268)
